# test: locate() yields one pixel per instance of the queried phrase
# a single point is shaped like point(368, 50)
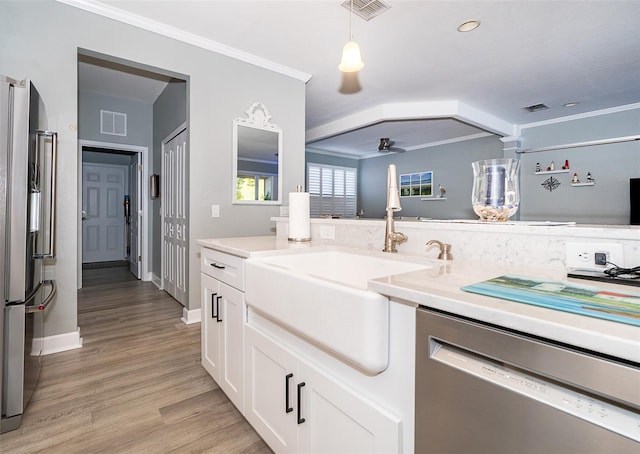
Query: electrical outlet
point(593, 256)
point(215, 211)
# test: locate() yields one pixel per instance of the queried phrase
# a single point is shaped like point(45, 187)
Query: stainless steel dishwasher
point(483, 389)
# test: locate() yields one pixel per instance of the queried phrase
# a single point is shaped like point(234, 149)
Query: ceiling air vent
point(367, 9)
point(536, 107)
point(113, 123)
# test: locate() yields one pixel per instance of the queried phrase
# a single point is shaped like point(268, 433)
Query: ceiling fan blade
point(386, 145)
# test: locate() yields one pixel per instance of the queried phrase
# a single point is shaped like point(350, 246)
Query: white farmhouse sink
point(323, 297)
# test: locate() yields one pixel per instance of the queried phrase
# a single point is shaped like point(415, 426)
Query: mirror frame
point(258, 117)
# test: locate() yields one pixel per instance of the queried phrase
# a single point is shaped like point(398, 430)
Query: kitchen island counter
point(439, 287)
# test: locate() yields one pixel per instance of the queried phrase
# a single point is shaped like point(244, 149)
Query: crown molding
point(335, 154)
point(593, 113)
point(144, 23)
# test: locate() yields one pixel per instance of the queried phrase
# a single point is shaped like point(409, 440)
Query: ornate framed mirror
point(257, 158)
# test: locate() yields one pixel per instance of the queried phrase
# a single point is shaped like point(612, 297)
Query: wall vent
point(113, 123)
point(366, 9)
point(535, 107)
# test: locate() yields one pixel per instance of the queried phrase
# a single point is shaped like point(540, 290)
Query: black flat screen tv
point(634, 199)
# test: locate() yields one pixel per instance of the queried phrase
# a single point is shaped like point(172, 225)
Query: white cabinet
point(223, 311)
point(296, 407)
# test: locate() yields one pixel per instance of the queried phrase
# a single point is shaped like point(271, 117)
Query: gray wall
point(39, 42)
point(320, 158)
point(259, 167)
point(451, 166)
point(97, 157)
point(169, 112)
point(139, 118)
point(611, 166)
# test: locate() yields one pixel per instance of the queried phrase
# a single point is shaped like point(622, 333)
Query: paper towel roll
point(299, 223)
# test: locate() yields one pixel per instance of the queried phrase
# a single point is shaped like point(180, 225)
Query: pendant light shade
point(351, 59)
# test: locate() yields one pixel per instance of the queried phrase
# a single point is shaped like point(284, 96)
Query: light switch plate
point(215, 211)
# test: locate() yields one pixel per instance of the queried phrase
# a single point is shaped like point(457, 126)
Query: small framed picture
point(419, 184)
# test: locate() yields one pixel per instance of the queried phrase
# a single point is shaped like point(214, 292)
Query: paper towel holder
point(299, 222)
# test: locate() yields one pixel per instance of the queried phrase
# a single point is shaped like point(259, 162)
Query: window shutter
point(314, 184)
point(333, 190)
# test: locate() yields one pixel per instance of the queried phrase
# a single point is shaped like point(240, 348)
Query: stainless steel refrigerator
point(27, 215)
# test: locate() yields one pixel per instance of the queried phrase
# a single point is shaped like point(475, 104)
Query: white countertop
point(252, 246)
point(439, 288)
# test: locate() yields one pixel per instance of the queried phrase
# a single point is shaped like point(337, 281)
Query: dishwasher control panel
point(553, 394)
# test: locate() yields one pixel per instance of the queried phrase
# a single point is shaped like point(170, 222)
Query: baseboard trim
point(61, 342)
point(155, 280)
point(190, 317)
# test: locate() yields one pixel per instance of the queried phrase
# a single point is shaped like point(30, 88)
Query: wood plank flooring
point(136, 385)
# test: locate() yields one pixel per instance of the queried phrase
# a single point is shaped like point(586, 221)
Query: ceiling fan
point(386, 145)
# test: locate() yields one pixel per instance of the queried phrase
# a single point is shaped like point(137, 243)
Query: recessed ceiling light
point(571, 104)
point(468, 25)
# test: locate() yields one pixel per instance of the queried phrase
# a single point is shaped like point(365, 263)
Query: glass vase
point(496, 189)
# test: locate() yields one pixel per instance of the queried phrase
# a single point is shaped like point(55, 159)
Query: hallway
point(136, 386)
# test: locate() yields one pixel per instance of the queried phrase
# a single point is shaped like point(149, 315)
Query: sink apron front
point(349, 322)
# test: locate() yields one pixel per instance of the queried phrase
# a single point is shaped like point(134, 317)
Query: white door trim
point(144, 228)
point(174, 133)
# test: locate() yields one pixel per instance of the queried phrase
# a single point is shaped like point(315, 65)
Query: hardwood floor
point(136, 385)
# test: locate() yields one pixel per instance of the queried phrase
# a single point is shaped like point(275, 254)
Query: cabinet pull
point(287, 408)
point(300, 385)
point(213, 310)
point(218, 317)
point(215, 265)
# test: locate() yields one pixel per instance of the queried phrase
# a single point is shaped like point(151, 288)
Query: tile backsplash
point(517, 244)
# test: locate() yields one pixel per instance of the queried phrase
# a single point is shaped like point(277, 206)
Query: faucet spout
point(391, 237)
point(445, 249)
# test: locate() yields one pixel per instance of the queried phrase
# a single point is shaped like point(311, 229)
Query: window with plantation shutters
point(333, 190)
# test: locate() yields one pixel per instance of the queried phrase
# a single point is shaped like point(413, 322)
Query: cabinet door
point(210, 326)
point(231, 312)
point(270, 391)
point(337, 420)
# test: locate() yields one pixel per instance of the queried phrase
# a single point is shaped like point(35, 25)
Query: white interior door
point(103, 227)
point(174, 216)
point(135, 191)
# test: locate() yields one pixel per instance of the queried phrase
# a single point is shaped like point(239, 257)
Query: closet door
point(174, 216)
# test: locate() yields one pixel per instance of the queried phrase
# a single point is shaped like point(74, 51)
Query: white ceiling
point(120, 81)
point(523, 53)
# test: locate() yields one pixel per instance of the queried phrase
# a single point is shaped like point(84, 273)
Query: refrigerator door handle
point(42, 306)
point(49, 253)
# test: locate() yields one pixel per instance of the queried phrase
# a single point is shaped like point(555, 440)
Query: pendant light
point(351, 59)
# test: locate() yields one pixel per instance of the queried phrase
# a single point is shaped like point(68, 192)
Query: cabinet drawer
point(224, 267)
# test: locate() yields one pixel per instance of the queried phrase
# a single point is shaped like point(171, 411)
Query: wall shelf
point(590, 183)
point(549, 172)
point(432, 199)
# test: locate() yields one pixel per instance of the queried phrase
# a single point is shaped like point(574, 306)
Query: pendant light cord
point(351, 21)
